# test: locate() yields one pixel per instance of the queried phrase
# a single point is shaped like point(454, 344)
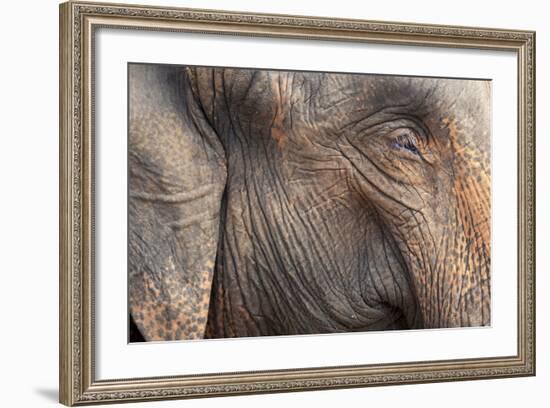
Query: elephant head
point(273, 202)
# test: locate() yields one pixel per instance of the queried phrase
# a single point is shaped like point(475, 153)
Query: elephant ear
point(176, 176)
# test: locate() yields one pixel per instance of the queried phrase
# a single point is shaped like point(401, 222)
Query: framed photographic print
point(257, 203)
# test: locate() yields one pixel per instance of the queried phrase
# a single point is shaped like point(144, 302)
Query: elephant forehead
point(327, 88)
point(318, 100)
point(361, 93)
point(413, 95)
point(318, 89)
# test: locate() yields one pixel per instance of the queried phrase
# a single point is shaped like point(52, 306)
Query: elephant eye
point(405, 140)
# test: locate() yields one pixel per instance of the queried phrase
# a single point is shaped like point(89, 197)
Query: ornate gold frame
point(78, 22)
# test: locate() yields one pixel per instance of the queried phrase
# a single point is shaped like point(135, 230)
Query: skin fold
point(278, 203)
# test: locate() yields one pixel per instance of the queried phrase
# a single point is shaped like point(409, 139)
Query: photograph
point(269, 202)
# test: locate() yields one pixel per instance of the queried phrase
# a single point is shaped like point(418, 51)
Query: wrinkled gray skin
point(267, 203)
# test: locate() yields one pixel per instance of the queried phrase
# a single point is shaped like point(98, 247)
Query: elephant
point(266, 202)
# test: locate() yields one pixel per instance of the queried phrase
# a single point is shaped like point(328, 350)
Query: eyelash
point(406, 141)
